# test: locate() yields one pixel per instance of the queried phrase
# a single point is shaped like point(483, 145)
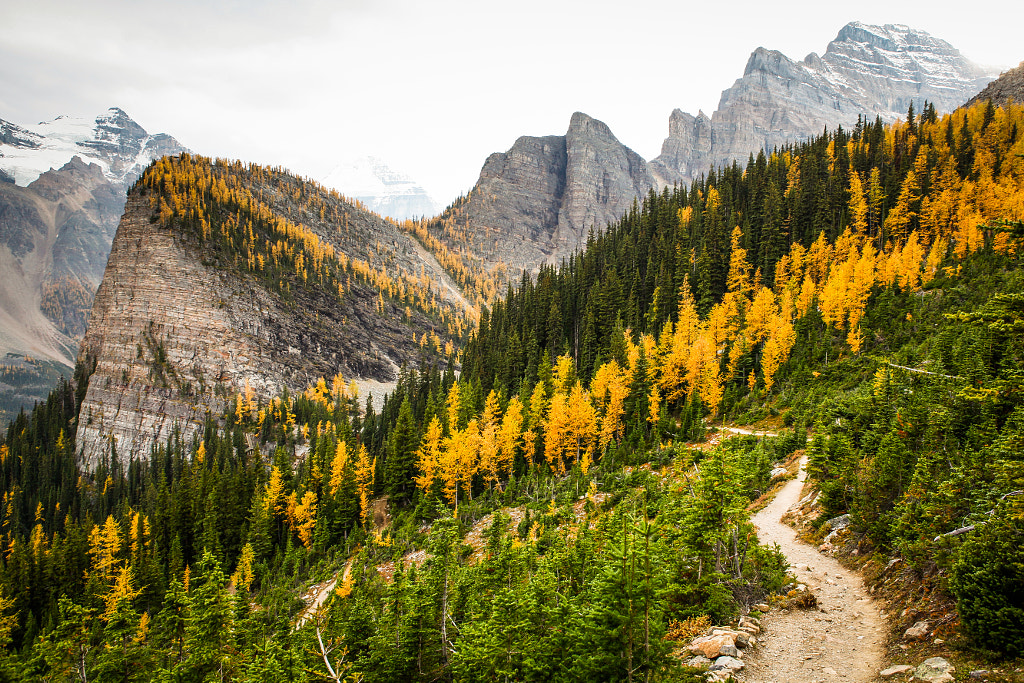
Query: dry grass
point(688, 628)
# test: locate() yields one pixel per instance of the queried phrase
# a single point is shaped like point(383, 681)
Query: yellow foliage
point(243, 576)
point(123, 589)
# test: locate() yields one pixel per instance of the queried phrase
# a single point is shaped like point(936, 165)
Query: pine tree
point(401, 455)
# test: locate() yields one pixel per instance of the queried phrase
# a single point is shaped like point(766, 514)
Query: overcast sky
point(430, 87)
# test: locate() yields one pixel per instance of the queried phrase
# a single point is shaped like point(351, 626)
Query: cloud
point(431, 87)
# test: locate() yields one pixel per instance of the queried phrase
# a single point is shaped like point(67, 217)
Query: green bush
point(988, 582)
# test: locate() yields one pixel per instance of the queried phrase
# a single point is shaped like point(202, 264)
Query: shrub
point(988, 582)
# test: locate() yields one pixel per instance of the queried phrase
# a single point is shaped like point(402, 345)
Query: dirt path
point(317, 595)
point(747, 432)
point(843, 640)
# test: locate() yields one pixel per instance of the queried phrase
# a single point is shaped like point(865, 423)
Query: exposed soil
point(842, 639)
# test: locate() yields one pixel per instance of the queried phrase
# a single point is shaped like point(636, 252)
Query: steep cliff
point(867, 70)
point(537, 202)
point(222, 275)
point(1009, 87)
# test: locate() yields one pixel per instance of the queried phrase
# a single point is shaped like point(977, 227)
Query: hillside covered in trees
point(865, 285)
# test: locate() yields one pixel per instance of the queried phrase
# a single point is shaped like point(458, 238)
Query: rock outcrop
point(178, 329)
point(537, 202)
point(1009, 87)
point(867, 70)
point(935, 670)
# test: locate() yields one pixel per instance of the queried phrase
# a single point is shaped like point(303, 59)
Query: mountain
point(537, 202)
point(381, 190)
point(120, 146)
point(1009, 87)
point(62, 192)
point(866, 71)
point(562, 476)
point(223, 276)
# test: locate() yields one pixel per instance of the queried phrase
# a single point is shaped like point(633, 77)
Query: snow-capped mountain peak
point(119, 145)
point(381, 189)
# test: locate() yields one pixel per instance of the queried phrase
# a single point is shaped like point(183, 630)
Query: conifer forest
point(538, 500)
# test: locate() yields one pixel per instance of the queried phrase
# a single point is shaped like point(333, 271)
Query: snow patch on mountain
point(112, 140)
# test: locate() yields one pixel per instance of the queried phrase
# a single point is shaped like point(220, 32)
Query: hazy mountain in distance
point(866, 70)
point(381, 189)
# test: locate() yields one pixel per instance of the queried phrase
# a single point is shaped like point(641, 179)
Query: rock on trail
point(842, 640)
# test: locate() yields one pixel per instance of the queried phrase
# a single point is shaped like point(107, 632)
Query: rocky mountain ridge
point(866, 70)
point(537, 202)
point(191, 311)
point(1009, 87)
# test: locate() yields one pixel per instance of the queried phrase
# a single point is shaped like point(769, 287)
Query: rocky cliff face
point(867, 70)
point(1009, 87)
point(537, 202)
point(62, 192)
point(54, 238)
point(179, 327)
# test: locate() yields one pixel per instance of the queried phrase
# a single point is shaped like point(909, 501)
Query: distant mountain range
point(63, 182)
point(866, 71)
point(62, 192)
point(537, 202)
point(381, 190)
point(113, 141)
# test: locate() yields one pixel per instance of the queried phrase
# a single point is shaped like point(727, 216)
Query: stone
point(934, 670)
point(918, 631)
point(719, 631)
point(715, 645)
point(762, 607)
point(698, 662)
point(840, 522)
point(727, 663)
point(895, 670)
point(778, 472)
point(979, 674)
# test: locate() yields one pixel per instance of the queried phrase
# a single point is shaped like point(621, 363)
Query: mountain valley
point(547, 433)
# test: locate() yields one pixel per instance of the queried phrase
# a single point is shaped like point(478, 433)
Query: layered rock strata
point(175, 333)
